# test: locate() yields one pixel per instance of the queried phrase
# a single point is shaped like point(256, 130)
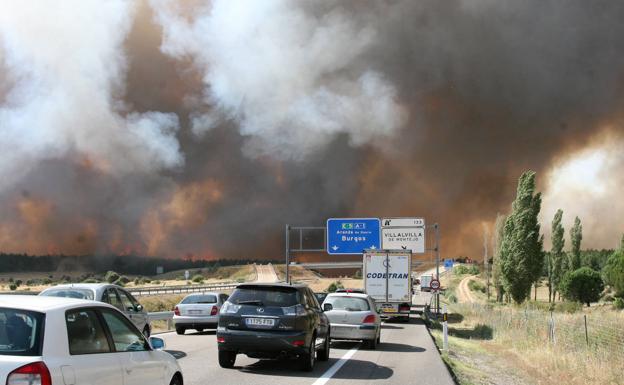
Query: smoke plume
point(170, 127)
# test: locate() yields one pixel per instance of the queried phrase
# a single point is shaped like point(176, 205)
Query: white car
point(198, 311)
point(353, 316)
point(108, 293)
point(53, 341)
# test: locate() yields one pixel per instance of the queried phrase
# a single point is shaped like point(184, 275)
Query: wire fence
point(599, 334)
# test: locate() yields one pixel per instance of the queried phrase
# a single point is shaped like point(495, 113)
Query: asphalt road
point(407, 355)
point(266, 273)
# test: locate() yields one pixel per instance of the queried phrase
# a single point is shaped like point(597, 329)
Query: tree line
point(126, 264)
point(519, 260)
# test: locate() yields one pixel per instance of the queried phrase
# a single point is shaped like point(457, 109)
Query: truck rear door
point(375, 280)
point(399, 288)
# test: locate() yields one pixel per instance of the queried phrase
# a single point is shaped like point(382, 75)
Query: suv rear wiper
point(251, 302)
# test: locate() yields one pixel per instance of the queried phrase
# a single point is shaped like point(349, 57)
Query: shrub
point(618, 303)
point(198, 278)
point(567, 307)
point(156, 282)
point(582, 285)
point(13, 286)
point(451, 298)
point(119, 282)
point(614, 272)
point(18, 282)
point(476, 286)
point(466, 269)
point(47, 281)
point(334, 286)
point(111, 276)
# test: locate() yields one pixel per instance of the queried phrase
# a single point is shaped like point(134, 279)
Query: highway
point(266, 273)
point(406, 355)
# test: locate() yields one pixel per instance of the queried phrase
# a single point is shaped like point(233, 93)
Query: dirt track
point(463, 291)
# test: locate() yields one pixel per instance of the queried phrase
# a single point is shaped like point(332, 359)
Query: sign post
point(352, 235)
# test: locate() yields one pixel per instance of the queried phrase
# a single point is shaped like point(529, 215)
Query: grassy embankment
point(507, 344)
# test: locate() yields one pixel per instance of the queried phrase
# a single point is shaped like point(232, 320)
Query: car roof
point(274, 284)
point(205, 293)
point(345, 294)
point(42, 303)
point(92, 286)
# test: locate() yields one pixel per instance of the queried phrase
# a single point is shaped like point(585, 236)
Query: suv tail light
point(176, 310)
point(294, 310)
point(369, 319)
point(214, 310)
point(403, 308)
point(36, 373)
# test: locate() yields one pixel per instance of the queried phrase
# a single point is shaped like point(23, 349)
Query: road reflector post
point(445, 329)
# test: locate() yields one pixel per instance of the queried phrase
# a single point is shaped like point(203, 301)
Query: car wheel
point(307, 359)
point(323, 355)
point(180, 330)
point(372, 344)
point(146, 331)
point(227, 359)
point(176, 380)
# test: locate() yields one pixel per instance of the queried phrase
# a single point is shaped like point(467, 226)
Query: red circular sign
point(434, 284)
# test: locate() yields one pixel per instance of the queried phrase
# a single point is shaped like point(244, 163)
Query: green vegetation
point(614, 271)
point(198, 278)
point(497, 281)
point(334, 286)
point(521, 252)
point(466, 269)
point(111, 276)
point(476, 286)
point(557, 256)
point(576, 236)
point(618, 303)
point(582, 285)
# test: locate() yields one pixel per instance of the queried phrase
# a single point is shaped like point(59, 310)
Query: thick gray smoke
point(292, 81)
point(170, 127)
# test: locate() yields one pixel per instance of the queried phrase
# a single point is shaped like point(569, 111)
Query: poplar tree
point(497, 238)
point(522, 257)
point(557, 256)
point(576, 236)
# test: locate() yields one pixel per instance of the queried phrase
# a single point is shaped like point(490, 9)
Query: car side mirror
point(327, 307)
point(139, 307)
point(157, 343)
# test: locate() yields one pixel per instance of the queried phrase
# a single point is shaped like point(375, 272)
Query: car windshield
point(20, 332)
point(69, 293)
point(200, 299)
point(265, 296)
point(348, 303)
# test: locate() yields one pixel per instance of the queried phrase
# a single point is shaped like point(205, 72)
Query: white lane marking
point(322, 380)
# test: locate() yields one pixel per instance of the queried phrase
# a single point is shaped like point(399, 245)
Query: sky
point(190, 128)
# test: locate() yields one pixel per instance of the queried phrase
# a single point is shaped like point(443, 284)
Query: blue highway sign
point(448, 264)
point(352, 235)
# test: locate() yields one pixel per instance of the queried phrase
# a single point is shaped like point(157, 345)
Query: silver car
point(353, 316)
point(104, 292)
point(198, 311)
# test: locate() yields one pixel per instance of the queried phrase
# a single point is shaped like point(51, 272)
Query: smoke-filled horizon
point(174, 128)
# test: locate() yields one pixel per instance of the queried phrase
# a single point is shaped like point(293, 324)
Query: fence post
point(552, 322)
point(445, 329)
point(586, 335)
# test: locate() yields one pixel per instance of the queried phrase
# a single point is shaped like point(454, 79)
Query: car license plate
point(261, 322)
point(194, 312)
point(388, 310)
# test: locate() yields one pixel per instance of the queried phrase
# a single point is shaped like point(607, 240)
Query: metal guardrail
point(154, 290)
point(162, 316)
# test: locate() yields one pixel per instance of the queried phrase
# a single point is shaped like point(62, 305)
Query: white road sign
point(403, 234)
point(403, 222)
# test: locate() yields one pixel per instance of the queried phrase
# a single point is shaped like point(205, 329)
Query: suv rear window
point(21, 332)
point(69, 293)
point(200, 299)
point(348, 303)
point(265, 296)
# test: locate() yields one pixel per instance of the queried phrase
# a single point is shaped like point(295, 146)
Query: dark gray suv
point(273, 321)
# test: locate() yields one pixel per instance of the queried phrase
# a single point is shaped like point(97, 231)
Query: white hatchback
point(51, 340)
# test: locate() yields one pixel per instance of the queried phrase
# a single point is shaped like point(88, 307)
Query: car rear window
point(348, 303)
point(265, 296)
point(200, 299)
point(21, 332)
point(69, 293)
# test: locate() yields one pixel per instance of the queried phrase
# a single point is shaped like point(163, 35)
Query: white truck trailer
point(388, 281)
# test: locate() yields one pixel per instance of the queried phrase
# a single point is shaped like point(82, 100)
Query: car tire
point(146, 331)
point(180, 331)
point(371, 344)
point(176, 380)
point(323, 354)
point(227, 359)
point(306, 360)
